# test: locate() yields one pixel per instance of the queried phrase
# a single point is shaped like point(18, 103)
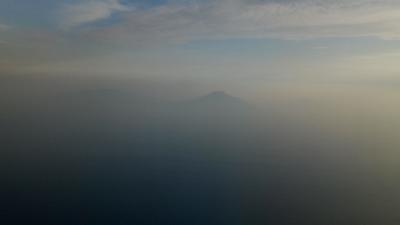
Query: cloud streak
point(79, 36)
point(4, 27)
point(89, 11)
point(288, 19)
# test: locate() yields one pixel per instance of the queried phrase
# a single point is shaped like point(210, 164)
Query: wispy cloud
point(181, 21)
point(4, 27)
point(88, 11)
point(287, 19)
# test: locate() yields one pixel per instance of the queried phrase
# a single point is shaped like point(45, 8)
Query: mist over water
point(114, 151)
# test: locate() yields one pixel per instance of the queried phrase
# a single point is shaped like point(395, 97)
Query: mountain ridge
point(217, 102)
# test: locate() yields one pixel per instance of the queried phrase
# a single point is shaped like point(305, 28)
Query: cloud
point(4, 27)
point(287, 19)
point(181, 21)
point(88, 11)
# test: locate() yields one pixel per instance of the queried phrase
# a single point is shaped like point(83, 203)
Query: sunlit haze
point(206, 112)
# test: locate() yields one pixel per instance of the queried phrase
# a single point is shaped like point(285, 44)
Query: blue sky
point(184, 38)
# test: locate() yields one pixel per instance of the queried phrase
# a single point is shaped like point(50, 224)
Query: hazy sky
point(317, 40)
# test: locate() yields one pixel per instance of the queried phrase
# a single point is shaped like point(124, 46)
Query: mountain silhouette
point(219, 99)
point(217, 102)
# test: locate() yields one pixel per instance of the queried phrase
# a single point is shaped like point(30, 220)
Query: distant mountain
point(217, 102)
point(219, 99)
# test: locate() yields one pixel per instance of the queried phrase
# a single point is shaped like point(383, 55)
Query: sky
point(253, 40)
